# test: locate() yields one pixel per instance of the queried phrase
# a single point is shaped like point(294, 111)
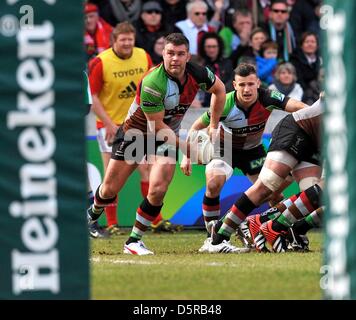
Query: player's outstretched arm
point(294, 105)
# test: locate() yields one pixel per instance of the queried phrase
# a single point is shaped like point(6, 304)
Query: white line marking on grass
point(197, 263)
point(118, 261)
point(214, 264)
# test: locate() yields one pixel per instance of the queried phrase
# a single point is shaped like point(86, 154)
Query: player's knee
point(107, 191)
point(104, 196)
point(270, 179)
point(213, 188)
point(158, 191)
point(220, 168)
point(307, 182)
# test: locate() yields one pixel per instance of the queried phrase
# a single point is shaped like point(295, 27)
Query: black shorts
point(290, 137)
point(129, 147)
point(248, 161)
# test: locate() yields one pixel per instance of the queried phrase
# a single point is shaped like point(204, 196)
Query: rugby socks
point(144, 188)
point(238, 213)
point(158, 219)
point(307, 202)
point(276, 211)
point(211, 210)
point(315, 218)
point(97, 208)
point(145, 214)
point(144, 191)
point(111, 214)
point(311, 221)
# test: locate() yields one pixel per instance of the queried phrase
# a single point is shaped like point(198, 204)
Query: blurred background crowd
point(280, 37)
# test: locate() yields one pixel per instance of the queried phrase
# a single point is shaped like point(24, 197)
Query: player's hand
point(214, 135)
point(110, 133)
point(186, 166)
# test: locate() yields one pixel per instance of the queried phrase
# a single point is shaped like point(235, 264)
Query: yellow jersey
point(115, 81)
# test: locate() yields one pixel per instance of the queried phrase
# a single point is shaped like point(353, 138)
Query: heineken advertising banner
point(43, 235)
point(339, 270)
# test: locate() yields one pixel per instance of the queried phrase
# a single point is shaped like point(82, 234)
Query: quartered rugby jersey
point(159, 91)
point(247, 126)
point(309, 119)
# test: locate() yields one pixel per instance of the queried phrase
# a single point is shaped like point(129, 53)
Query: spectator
point(216, 12)
point(240, 33)
point(195, 25)
point(260, 11)
point(97, 32)
point(116, 11)
point(252, 50)
point(149, 26)
point(258, 8)
point(305, 16)
point(157, 50)
point(307, 62)
point(314, 89)
point(174, 11)
point(211, 50)
point(285, 81)
point(280, 29)
point(267, 63)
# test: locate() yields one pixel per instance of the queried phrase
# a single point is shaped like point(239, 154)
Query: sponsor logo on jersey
point(249, 129)
point(149, 104)
point(128, 73)
point(258, 163)
point(178, 110)
point(277, 95)
point(211, 75)
point(129, 92)
point(151, 91)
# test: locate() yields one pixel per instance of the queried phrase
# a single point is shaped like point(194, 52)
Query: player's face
point(246, 89)
point(175, 59)
point(124, 45)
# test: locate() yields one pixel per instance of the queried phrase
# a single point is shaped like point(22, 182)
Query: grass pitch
point(178, 271)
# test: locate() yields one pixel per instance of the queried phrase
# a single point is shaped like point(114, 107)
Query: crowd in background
point(280, 37)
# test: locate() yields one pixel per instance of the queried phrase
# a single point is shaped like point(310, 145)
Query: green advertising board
point(183, 201)
point(43, 238)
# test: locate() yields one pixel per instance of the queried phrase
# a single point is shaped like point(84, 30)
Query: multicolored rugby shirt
point(159, 91)
point(247, 126)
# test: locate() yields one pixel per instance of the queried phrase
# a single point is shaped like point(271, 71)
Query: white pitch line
point(120, 261)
